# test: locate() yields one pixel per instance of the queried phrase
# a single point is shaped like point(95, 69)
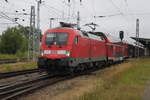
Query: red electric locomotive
point(67, 48)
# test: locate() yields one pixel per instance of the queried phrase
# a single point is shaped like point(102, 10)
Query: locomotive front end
point(55, 50)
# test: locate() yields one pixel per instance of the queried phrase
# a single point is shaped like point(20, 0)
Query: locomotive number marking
point(47, 52)
point(53, 51)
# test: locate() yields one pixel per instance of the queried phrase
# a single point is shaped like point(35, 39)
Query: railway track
point(7, 61)
point(11, 90)
point(14, 89)
point(16, 73)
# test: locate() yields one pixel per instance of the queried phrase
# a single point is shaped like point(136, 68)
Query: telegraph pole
point(38, 27)
point(31, 41)
point(78, 20)
point(78, 17)
point(137, 36)
point(50, 23)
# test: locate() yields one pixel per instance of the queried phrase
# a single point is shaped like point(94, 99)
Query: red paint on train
point(70, 48)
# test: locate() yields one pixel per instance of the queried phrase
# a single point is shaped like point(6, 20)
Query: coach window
point(76, 40)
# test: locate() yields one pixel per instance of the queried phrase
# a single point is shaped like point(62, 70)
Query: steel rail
point(7, 61)
point(30, 87)
point(36, 84)
point(16, 73)
point(8, 91)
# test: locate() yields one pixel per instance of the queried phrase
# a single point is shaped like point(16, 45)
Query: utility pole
point(50, 23)
point(78, 20)
point(31, 41)
point(78, 17)
point(137, 36)
point(38, 27)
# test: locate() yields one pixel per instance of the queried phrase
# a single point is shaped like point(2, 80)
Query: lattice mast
point(31, 39)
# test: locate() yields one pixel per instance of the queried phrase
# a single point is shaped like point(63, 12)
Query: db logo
point(54, 52)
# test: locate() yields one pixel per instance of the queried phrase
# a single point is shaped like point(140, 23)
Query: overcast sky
point(125, 14)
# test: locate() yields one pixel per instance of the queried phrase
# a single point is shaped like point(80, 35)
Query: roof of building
point(144, 41)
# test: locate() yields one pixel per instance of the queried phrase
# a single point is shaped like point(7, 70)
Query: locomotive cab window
point(57, 38)
point(76, 40)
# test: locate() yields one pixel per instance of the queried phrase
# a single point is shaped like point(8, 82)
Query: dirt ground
point(146, 95)
point(76, 87)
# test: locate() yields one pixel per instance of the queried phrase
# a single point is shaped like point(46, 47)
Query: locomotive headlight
point(41, 52)
point(67, 53)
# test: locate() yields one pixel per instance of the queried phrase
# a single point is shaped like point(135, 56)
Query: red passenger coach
point(116, 49)
point(70, 49)
point(125, 50)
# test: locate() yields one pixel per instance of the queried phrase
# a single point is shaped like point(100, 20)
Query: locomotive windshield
point(57, 38)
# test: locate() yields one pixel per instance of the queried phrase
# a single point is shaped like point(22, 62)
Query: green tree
point(0, 40)
point(14, 39)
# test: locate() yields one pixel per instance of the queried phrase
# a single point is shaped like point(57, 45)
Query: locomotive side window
point(76, 40)
point(57, 38)
point(102, 38)
point(85, 34)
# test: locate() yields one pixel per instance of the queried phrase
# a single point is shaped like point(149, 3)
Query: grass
point(125, 84)
point(17, 66)
point(18, 55)
point(8, 56)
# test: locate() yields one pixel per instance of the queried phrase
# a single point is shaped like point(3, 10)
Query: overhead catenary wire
point(117, 8)
point(60, 11)
point(11, 13)
point(8, 14)
point(93, 6)
point(120, 11)
point(51, 10)
point(2, 14)
point(126, 2)
point(61, 14)
point(73, 8)
point(7, 23)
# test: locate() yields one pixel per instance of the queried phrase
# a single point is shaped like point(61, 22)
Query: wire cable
point(51, 10)
point(117, 8)
point(2, 14)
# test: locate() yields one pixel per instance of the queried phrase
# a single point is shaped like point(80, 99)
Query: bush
point(12, 40)
point(21, 54)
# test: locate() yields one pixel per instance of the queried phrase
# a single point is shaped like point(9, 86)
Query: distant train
point(69, 49)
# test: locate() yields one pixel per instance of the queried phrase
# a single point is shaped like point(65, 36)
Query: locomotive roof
point(110, 38)
point(93, 35)
point(64, 28)
point(81, 32)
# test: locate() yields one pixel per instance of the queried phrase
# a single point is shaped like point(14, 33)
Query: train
point(69, 49)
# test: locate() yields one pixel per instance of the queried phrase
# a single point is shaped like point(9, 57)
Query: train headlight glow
point(41, 53)
point(67, 53)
